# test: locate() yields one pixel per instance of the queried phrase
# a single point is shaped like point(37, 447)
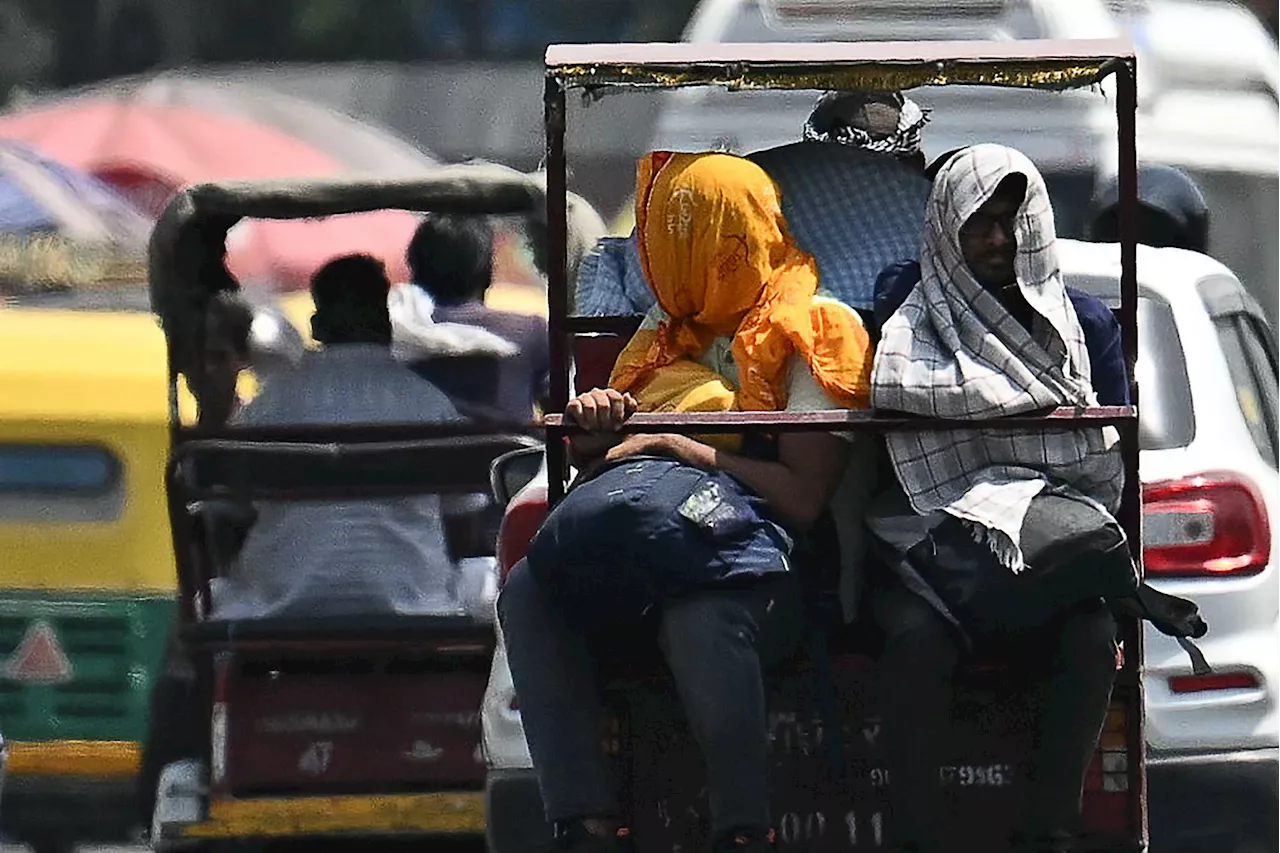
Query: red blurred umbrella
point(149, 149)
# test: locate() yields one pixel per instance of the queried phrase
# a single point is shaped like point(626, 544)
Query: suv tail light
point(520, 522)
point(1213, 681)
point(1210, 524)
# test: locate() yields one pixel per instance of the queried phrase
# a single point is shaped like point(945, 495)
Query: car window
point(51, 470)
point(1253, 374)
point(51, 483)
point(1259, 343)
point(1166, 418)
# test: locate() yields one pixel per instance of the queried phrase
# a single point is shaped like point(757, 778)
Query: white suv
point(1207, 378)
point(1207, 375)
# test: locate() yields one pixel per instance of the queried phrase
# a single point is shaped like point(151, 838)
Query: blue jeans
point(712, 639)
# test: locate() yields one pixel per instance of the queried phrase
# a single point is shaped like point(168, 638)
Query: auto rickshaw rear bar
point(1065, 417)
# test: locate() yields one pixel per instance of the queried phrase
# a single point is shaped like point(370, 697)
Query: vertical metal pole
point(557, 279)
point(1126, 115)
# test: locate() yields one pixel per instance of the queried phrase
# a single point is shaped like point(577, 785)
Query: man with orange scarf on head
point(686, 536)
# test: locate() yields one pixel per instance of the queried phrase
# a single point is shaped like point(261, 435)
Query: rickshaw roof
point(193, 226)
point(1036, 64)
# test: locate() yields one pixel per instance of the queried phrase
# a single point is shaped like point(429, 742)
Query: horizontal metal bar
point(336, 449)
point(837, 420)
point(351, 433)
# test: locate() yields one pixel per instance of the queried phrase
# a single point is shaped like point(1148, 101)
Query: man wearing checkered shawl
point(954, 350)
point(989, 331)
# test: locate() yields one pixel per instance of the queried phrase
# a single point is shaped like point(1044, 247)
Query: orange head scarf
point(714, 246)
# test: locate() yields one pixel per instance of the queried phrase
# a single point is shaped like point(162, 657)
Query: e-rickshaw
point(351, 728)
point(827, 770)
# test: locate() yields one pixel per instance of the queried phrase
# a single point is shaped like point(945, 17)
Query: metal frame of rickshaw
point(210, 463)
point(1050, 65)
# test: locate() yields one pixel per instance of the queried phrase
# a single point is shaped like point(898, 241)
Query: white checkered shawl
point(952, 350)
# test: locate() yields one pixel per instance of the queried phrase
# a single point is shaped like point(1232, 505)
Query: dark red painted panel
point(813, 810)
point(374, 731)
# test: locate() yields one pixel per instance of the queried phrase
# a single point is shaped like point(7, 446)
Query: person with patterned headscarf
point(853, 192)
point(691, 533)
point(884, 122)
point(974, 518)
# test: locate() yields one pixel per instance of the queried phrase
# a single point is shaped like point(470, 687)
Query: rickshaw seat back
point(595, 353)
point(259, 468)
point(214, 483)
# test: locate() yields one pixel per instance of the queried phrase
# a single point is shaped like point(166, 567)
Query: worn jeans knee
point(555, 675)
point(712, 643)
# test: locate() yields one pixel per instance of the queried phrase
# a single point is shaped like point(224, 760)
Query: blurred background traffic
point(150, 94)
point(108, 106)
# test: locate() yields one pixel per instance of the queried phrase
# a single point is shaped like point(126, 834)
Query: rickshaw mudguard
point(439, 813)
point(815, 808)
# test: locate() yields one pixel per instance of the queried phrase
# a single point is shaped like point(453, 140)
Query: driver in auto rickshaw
point(331, 558)
point(345, 557)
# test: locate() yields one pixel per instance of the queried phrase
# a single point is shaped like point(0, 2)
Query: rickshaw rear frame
point(1033, 64)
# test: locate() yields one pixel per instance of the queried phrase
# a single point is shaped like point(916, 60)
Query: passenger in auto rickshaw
point(451, 259)
point(686, 532)
point(853, 192)
point(996, 541)
point(228, 326)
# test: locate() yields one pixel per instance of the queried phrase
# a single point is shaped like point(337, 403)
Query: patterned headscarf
point(715, 248)
point(887, 122)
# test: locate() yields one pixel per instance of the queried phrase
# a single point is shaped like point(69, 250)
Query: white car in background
point(1208, 410)
point(1207, 102)
point(1208, 384)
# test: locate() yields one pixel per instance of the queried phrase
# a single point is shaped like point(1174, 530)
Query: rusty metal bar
point(820, 55)
point(848, 419)
point(557, 277)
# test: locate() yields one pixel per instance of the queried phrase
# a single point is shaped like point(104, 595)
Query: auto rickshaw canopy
point(1032, 64)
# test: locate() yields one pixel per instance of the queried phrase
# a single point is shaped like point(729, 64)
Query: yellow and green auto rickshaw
point(86, 578)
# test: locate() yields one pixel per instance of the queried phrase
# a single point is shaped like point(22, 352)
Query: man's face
point(224, 358)
point(987, 237)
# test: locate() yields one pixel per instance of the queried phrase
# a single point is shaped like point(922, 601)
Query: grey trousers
point(1073, 660)
point(712, 640)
